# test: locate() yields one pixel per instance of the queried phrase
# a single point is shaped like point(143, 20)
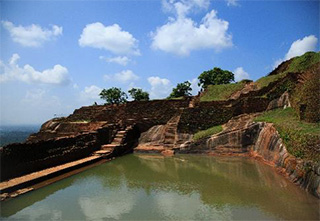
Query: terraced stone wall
point(23, 158)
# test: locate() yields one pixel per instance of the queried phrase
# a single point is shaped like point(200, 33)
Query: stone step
point(102, 152)
point(117, 140)
point(108, 146)
point(35, 177)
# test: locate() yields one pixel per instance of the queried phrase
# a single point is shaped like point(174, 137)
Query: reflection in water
point(182, 187)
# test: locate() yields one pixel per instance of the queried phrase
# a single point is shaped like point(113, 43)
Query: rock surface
point(270, 148)
point(241, 135)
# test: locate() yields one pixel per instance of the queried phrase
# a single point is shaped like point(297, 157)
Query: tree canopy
point(113, 95)
point(182, 89)
point(138, 94)
point(215, 76)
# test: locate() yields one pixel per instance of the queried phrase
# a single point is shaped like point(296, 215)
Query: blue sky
point(57, 55)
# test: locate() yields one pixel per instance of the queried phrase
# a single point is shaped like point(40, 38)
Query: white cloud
point(299, 47)
point(182, 35)
point(240, 74)
point(111, 38)
point(91, 93)
point(58, 75)
point(232, 2)
point(40, 97)
point(123, 76)
point(183, 7)
point(122, 60)
point(160, 87)
point(195, 87)
point(33, 35)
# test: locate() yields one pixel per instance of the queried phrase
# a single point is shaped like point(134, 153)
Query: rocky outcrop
point(58, 128)
point(251, 86)
point(270, 148)
point(162, 137)
point(280, 102)
point(239, 134)
point(243, 136)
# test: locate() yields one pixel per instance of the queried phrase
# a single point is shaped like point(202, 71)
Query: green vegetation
point(300, 138)
point(138, 94)
point(304, 62)
point(175, 98)
point(215, 76)
point(206, 133)
point(298, 64)
point(221, 92)
point(305, 98)
point(113, 95)
point(265, 81)
point(182, 90)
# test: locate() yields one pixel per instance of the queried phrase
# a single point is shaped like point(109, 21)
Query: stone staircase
point(194, 101)
point(171, 131)
point(107, 149)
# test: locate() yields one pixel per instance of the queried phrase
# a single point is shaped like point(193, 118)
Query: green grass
point(175, 98)
point(300, 138)
point(298, 64)
point(265, 81)
point(206, 133)
point(303, 62)
point(221, 92)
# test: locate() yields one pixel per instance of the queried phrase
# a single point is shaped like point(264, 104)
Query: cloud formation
point(121, 60)
point(58, 75)
point(299, 47)
point(160, 87)
point(181, 35)
point(184, 7)
point(232, 2)
point(122, 77)
point(33, 35)
point(90, 93)
point(111, 38)
point(195, 87)
point(240, 74)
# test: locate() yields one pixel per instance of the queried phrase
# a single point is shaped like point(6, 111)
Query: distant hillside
point(16, 134)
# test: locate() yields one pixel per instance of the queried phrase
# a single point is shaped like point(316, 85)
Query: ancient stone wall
point(23, 158)
point(158, 110)
point(208, 114)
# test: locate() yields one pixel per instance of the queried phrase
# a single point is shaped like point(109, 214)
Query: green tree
point(113, 95)
point(215, 76)
point(182, 89)
point(138, 94)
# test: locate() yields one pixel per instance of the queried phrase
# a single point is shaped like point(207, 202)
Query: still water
point(184, 187)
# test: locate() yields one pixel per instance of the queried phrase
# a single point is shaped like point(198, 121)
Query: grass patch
point(175, 98)
point(208, 132)
point(298, 64)
point(301, 138)
point(265, 81)
point(221, 92)
point(304, 62)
